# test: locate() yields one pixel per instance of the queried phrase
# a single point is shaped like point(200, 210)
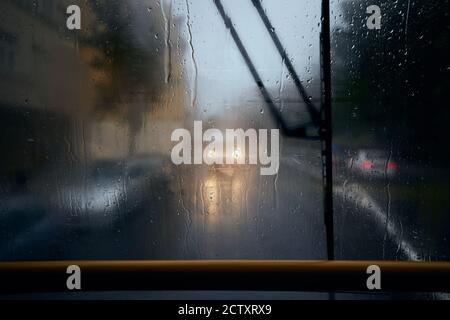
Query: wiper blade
point(300, 131)
point(313, 111)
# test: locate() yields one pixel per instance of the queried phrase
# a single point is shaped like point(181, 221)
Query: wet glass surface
point(86, 122)
point(390, 118)
point(86, 118)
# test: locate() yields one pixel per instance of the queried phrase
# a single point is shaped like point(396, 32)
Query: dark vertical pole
point(326, 129)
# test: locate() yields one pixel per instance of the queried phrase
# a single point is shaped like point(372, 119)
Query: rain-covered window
point(390, 121)
point(87, 118)
point(92, 117)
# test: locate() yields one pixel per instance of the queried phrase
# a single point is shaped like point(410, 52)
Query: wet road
point(209, 212)
point(190, 212)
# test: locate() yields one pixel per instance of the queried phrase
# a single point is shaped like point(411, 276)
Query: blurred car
point(227, 157)
point(373, 163)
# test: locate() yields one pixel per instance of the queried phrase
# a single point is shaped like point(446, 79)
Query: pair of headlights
point(212, 154)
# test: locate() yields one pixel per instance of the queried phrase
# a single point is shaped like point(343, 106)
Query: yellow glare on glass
point(237, 154)
point(212, 154)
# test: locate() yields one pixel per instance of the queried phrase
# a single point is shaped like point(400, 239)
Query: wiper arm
point(285, 129)
point(313, 112)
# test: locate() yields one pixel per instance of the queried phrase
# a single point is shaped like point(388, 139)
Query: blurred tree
point(134, 40)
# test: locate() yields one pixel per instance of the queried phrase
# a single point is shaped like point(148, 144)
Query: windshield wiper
point(313, 111)
point(300, 131)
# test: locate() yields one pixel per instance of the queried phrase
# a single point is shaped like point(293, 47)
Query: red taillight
point(366, 164)
point(392, 165)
